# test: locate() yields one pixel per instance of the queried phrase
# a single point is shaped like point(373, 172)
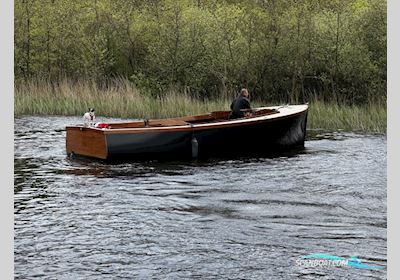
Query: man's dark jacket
point(238, 104)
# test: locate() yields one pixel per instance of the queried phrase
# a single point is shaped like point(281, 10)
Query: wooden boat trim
point(89, 143)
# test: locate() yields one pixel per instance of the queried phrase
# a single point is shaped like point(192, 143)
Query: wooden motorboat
point(268, 130)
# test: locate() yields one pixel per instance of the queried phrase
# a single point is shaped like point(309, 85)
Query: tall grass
point(121, 99)
point(366, 118)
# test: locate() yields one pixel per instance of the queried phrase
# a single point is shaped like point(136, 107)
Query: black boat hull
point(260, 138)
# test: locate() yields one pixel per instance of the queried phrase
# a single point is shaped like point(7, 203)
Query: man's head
point(244, 92)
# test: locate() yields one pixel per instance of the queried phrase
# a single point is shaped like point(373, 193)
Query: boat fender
point(195, 147)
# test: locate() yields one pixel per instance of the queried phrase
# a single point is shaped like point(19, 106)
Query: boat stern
point(86, 142)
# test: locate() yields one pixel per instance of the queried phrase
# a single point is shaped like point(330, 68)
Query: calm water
point(215, 219)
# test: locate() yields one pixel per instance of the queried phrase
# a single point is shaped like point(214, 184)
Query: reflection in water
point(247, 218)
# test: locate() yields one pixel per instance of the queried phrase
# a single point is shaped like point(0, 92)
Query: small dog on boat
point(89, 118)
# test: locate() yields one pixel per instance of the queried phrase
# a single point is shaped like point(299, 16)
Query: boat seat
point(220, 115)
point(195, 119)
point(136, 124)
point(167, 122)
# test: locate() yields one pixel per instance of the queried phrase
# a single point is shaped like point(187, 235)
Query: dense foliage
point(282, 50)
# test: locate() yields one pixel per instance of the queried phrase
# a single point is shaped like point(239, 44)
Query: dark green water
point(248, 218)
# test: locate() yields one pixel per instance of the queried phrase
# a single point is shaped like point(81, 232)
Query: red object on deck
point(101, 125)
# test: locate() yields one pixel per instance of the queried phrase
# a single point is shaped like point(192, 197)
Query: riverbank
point(125, 101)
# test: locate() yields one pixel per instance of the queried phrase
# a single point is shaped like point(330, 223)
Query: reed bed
point(122, 99)
point(370, 117)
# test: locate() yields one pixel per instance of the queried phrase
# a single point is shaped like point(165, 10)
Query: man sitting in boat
point(240, 105)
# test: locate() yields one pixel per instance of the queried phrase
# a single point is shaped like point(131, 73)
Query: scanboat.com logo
point(314, 260)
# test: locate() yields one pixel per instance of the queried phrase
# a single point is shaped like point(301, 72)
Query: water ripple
point(247, 218)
